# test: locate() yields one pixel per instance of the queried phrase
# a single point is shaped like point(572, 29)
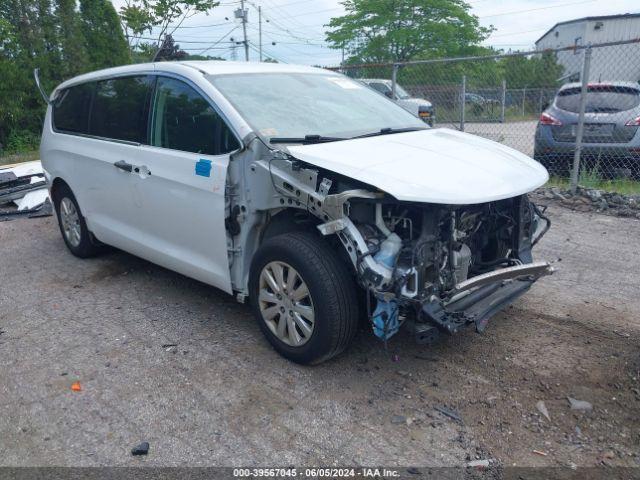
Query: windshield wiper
point(388, 131)
point(307, 139)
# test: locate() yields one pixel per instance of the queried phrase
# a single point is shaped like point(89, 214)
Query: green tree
point(169, 50)
point(103, 36)
point(11, 77)
point(399, 30)
point(203, 57)
point(71, 42)
point(29, 38)
point(162, 17)
point(537, 71)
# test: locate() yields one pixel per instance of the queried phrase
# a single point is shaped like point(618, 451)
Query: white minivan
point(297, 188)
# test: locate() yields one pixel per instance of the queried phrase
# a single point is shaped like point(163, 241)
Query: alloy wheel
point(285, 303)
point(70, 221)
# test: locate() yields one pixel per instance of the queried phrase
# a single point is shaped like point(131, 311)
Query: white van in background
point(421, 108)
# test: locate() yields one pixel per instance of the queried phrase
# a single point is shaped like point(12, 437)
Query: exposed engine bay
point(438, 256)
point(434, 267)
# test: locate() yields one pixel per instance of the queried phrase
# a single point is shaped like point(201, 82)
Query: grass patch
point(490, 114)
point(28, 156)
point(590, 179)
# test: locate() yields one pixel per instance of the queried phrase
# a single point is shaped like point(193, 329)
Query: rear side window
point(120, 109)
point(600, 99)
point(71, 109)
point(184, 120)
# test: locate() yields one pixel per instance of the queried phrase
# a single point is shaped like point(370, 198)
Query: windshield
point(600, 99)
point(299, 104)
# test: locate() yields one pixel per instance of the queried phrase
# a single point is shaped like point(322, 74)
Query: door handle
point(122, 165)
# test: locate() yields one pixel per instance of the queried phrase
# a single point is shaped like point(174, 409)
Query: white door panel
point(179, 215)
point(102, 190)
point(177, 197)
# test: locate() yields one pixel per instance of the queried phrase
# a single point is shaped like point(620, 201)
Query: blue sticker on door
point(203, 168)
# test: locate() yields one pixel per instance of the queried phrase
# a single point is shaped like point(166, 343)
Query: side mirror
point(389, 93)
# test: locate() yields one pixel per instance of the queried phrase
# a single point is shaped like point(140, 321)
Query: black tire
point(332, 291)
point(87, 246)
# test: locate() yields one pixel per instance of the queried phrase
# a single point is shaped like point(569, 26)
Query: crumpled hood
point(431, 166)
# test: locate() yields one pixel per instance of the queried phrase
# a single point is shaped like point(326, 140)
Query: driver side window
point(184, 120)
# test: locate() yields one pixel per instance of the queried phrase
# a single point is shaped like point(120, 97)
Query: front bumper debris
point(478, 299)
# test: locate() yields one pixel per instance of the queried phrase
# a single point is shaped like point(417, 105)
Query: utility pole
point(244, 30)
point(260, 30)
point(234, 53)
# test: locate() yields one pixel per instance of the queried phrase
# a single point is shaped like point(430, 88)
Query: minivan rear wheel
point(303, 297)
point(72, 225)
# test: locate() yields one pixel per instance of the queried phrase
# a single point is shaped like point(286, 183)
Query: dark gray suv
point(611, 142)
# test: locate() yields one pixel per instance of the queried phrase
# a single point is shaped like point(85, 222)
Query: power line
point(291, 32)
point(536, 9)
point(221, 39)
point(178, 40)
point(281, 23)
point(268, 53)
point(301, 41)
point(325, 10)
point(202, 26)
point(517, 33)
point(293, 3)
point(284, 13)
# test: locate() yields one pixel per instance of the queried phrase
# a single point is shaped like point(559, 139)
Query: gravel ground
point(165, 359)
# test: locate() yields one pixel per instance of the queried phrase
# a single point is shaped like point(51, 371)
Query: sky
point(293, 30)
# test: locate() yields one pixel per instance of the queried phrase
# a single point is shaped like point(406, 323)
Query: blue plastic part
point(203, 168)
point(385, 319)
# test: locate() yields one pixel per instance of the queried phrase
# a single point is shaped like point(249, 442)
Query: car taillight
point(634, 123)
point(546, 119)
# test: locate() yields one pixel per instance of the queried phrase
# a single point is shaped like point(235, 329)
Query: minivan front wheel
point(72, 225)
point(303, 297)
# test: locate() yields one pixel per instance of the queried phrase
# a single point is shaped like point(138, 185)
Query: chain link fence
point(575, 110)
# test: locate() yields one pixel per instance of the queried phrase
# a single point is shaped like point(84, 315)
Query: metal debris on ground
point(23, 191)
point(579, 404)
point(479, 464)
point(447, 412)
point(398, 419)
point(542, 408)
point(141, 449)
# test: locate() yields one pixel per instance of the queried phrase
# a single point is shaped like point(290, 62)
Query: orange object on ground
point(75, 386)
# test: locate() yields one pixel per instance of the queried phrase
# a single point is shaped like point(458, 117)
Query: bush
point(21, 141)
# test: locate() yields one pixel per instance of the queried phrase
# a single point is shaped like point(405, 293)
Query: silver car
point(420, 107)
point(611, 142)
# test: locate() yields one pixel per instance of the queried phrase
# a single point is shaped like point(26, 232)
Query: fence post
point(586, 67)
point(504, 100)
point(524, 100)
point(394, 79)
point(540, 102)
point(463, 101)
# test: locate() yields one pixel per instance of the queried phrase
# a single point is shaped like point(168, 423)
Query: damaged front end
point(433, 267)
point(446, 266)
